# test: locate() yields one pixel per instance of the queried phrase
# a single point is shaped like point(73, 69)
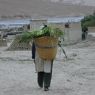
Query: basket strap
point(54, 46)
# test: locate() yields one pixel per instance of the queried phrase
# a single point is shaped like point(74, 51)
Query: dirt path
point(75, 76)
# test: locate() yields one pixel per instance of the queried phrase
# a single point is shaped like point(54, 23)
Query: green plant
point(45, 31)
point(88, 21)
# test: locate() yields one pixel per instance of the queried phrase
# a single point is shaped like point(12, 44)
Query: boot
point(46, 89)
point(40, 78)
point(47, 81)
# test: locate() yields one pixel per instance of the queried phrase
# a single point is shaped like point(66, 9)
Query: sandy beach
point(72, 76)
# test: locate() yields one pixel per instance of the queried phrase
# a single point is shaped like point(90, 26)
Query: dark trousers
point(83, 36)
point(45, 78)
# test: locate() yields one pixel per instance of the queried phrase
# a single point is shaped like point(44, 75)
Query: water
point(13, 23)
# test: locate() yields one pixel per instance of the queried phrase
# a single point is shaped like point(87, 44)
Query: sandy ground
point(72, 76)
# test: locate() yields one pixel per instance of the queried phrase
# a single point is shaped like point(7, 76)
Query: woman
point(43, 69)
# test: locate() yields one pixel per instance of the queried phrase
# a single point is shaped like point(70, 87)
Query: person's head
point(44, 25)
point(66, 25)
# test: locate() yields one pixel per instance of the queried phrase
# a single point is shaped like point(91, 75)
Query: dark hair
point(67, 25)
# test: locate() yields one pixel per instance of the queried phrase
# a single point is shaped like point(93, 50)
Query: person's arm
point(33, 50)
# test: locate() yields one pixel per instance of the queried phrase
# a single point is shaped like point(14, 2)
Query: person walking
point(43, 69)
point(84, 33)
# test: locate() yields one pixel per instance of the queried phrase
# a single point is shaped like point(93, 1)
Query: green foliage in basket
point(45, 31)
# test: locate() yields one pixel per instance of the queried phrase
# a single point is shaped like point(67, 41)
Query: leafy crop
point(45, 31)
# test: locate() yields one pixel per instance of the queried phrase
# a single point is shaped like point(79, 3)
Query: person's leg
point(40, 78)
point(83, 36)
point(47, 77)
point(39, 65)
point(51, 67)
point(47, 81)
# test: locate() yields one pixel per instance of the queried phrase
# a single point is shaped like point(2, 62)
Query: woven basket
point(46, 47)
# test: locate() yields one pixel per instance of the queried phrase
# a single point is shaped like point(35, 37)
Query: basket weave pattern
point(46, 47)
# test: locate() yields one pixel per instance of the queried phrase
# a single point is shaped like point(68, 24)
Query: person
point(43, 69)
point(84, 33)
